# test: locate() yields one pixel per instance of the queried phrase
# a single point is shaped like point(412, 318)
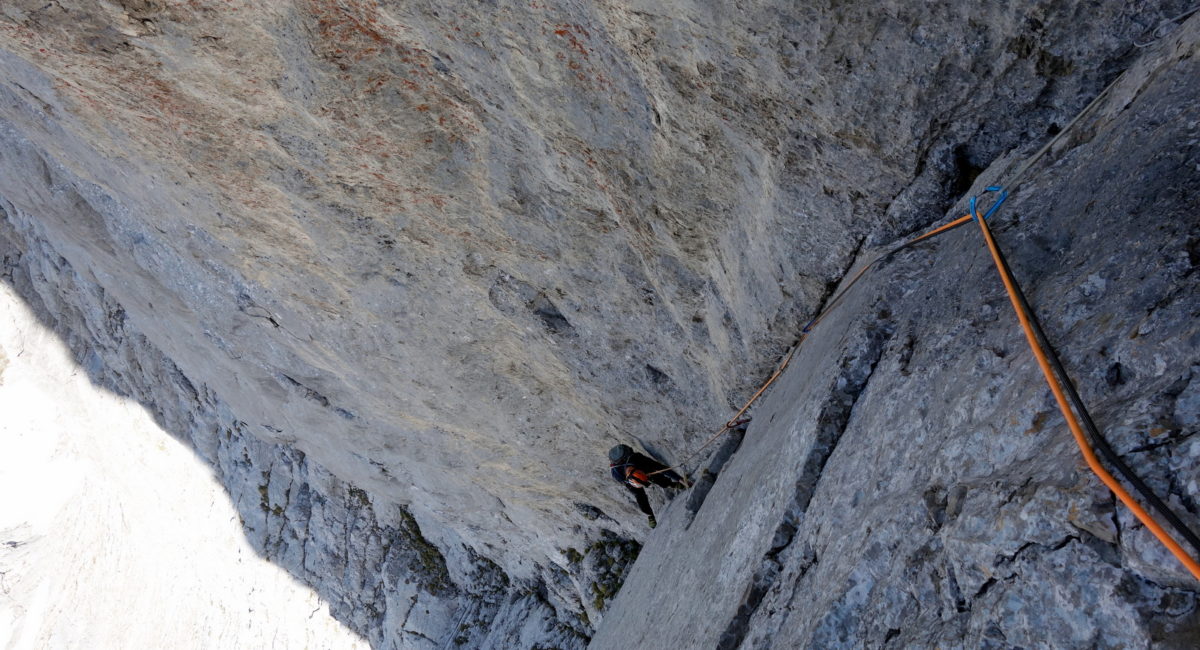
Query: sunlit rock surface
point(113, 534)
point(402, 272)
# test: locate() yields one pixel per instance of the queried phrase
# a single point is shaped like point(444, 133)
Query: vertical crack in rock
point(733, 441)
point(855, 371)
point(698, 174)
point(708, 476)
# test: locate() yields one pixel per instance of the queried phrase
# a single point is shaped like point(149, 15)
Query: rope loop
point(995, 206)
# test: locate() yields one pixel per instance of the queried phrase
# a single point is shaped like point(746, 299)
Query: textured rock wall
point(109, 527)
point(910, 481)
point(369, 561)
point(451, 254)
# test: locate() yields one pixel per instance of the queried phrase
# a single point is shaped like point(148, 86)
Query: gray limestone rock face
point(403, 272)
point(369, 561)
point(910, 482)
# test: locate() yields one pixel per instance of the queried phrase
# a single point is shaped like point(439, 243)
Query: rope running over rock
point(1042, 350)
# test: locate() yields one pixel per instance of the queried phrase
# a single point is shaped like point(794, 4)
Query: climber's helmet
point(619, 453)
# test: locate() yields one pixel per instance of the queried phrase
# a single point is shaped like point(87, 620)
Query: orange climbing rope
point(1055, 387)
point(804, 334)
point(1024, 317)
point(1032, 332)
point(866, 267)
point(730, 424)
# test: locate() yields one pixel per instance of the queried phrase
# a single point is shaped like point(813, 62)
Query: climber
point(636, 472)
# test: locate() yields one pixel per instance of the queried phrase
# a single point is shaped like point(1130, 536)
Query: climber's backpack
point(628, 474)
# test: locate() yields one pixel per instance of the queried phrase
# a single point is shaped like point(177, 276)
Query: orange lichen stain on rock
point(578, 55)
point(347, 21)
point(375, 83)
point(571, 33)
